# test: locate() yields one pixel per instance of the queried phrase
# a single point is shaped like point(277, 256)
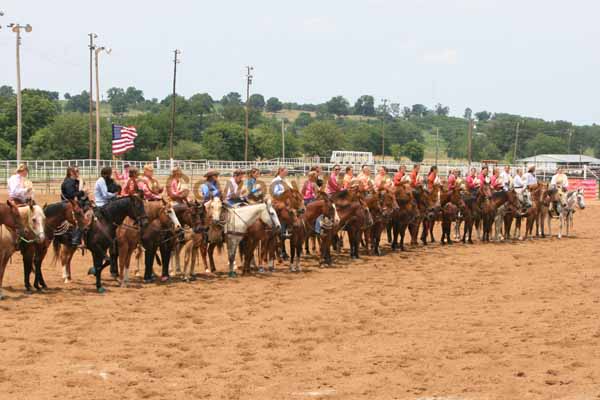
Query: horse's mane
point(54, 209)
point(498, 194)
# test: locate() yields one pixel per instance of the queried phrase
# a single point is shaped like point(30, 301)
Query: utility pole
point(173, 100)
point(570, 135)
point(97, 51)
point(437, 140)
point(16, 28)
point(283, 140)
point(469, 142)
point(92, 47)
point(383, 130)
point(516, 141)
point(248, 83)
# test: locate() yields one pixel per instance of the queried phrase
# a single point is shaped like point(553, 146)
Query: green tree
point(6, 91)
point(338, 105)
point(117, 100)
point(414, 150)
point(365, 105)
point(223, 140)
point(321, 138)
point(544, 144)
point(78, 102)
point(257, 101)
point(133, 96)
point(273, 104)
point(468, 113)
point(442, 110)
point(64, 138)
point(483, 116)
point(303, 119)
point(231, 99)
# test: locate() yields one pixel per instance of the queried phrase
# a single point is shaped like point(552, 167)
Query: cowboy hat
point(148, 167)
point(530, 167)
point(211, 172)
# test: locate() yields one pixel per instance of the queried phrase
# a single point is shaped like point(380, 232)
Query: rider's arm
point(103, 190)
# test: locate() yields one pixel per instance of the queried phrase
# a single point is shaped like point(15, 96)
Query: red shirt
point(332, 184)
point(471, 182)
point(398, 178)
point(413, 178)
point(430, 180)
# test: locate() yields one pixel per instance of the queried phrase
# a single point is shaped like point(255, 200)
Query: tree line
point(55, 128)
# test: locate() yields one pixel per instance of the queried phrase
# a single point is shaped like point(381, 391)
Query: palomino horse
point(236, 222)
point(101, 236)
point(574, 198)
point(32, 220)
point(128, 234)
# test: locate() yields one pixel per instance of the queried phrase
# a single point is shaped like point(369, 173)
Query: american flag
point(122, 138)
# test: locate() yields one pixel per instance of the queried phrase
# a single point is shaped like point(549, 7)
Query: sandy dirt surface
point(496, 321)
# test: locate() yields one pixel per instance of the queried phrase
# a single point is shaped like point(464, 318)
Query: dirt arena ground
point(496, 321)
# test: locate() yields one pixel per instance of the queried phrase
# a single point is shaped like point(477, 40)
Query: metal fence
point(46, 174)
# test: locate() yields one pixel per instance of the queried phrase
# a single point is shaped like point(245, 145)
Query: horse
point(403, 216)
point(236, 222)
point(574, 198)
point(129, 237)
point(449, 215)
point(285, 204)
point(533, 214)
point(101, 234)
point(352, 212)
point(159, 235)
point(32, 220)
point(381, 206)
point(10, 217)
point(433, 200)
point(304, 225)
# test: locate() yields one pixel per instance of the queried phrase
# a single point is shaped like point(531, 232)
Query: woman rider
point(69, 191)
point(175, 191)
point(210, 188)
point(131, 186)
point(252, 188)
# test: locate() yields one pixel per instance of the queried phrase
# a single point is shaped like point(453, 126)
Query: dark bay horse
point(101, 235)
point(352, 211)
point(403, 216)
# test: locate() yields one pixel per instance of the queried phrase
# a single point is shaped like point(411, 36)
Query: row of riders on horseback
point(132, 214)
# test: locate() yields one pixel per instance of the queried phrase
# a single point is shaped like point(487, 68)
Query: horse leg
point(232, 245)
point(149, 254)
point(165, 255)
point(27, 265)
point(211, 250)
point(40, 254)
point(3, 262)
point(98, 258)
point(431, 225)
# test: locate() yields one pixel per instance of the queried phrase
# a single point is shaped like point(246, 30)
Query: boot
point(76, 237)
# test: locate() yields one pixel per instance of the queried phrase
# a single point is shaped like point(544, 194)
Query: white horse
point(574, 198)
point(236, 221)
point(33, 220)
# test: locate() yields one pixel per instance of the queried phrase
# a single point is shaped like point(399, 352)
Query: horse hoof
point(164, 279)
point(232, 274)
point(67, 280)
point(261, 270)
point(101, 290)
point(92, 271)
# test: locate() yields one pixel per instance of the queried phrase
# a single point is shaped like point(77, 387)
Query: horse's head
point(168, 216)
point(580, 198)
point(214, 209)
point(388, 202)
point(76, 214)
point(34, 220)
point(136, 210)
point(269, 216)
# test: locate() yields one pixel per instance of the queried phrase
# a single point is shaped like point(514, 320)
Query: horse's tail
point(56, 250)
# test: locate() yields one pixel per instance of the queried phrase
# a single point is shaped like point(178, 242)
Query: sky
point(529, 57)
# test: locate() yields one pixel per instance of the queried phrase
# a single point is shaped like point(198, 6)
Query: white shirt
point(518, 182)
point(530, 179)
point(505, 176)
point(278, 185)
point(233, 189)
point(16, 188)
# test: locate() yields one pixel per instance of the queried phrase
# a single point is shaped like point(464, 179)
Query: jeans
point(318, 224)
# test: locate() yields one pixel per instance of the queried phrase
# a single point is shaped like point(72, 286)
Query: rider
point(398, 176)
point(432, 177)
point(210, 188)
point(506, 178)
point(495, 180)
point(149, 185)
point(382, 180)
point(233, 190)
point(414, 176)
point(131, 186)
point(473, 182)
point(69, 190)
point(251, 187)
point(559, 182)
point(123, 177)
point(530, 178)
point(175, 191)
point(310, 189)
point(278, 186)
point(332, 183)
point(365, 178)
point(348, 177)
point(451, 180)
point(519, 186)
point(106, 189)
point(18, 192)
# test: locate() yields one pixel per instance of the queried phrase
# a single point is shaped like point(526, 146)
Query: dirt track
point(497, 321)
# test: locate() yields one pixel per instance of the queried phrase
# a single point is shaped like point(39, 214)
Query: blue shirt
point(101, 193)
point(210, 190)
point(278, 186)
point(253, 188)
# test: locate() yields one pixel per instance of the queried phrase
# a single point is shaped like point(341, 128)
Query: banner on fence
point(590, 187)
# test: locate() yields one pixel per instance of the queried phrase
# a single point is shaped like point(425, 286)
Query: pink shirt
point(309, 190)
point(471, 182)
point(451, 181)
point(144, 184)
point(332, 184)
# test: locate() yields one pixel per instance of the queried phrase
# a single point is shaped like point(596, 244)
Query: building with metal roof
point(576, 159)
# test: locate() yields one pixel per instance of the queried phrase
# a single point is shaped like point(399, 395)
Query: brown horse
point(403, 216)
point(303, 226)
point(128, 234)
point(381, 206)
point(449, 215)
point(11, 228)
point(352, 212)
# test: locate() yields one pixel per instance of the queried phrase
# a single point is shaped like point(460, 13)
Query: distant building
point(573, 163)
